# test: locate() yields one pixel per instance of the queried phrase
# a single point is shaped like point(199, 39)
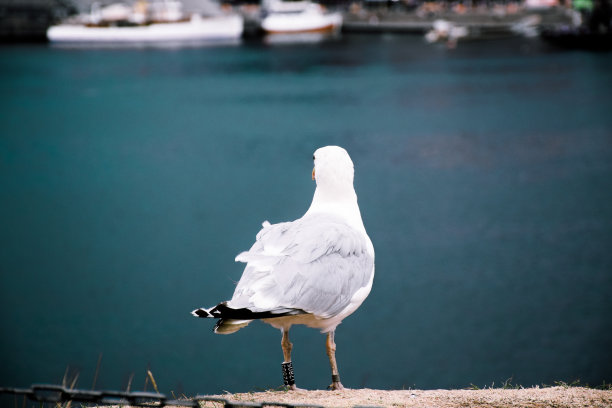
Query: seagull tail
point(225, 324)
point(201, 312)
point(231, 320)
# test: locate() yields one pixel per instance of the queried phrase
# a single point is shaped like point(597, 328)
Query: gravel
point(558, 397)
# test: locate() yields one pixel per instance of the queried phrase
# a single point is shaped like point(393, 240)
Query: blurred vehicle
point(298, 17)
point(540, 4)
point(159, 21)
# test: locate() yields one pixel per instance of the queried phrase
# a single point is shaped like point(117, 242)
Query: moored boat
point(447, 32)
point(298, 17)
point(161, 21)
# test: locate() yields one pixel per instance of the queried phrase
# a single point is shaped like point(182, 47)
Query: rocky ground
point(557, 397)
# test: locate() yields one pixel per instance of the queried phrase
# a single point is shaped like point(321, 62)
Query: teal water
point(130, 179)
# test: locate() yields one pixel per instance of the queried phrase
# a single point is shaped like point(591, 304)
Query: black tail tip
point(200, 313)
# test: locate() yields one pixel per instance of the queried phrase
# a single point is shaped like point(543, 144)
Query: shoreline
point(22, 25)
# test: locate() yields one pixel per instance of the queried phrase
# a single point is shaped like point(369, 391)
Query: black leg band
point(288, 376)
point(336, 378)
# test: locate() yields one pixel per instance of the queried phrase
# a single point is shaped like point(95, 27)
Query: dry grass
point(557, 397)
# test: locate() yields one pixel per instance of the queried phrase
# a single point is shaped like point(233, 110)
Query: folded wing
point(313, 265)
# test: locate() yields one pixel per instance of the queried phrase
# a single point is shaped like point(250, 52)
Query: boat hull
point(196, 29)
point(281, 24)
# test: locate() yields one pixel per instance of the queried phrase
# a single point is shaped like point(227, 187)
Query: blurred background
point(132, 172)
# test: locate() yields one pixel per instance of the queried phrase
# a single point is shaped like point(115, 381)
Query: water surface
point(130, 179)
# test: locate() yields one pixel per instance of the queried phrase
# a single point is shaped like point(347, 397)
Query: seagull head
point(335, 195)
point(333, 169)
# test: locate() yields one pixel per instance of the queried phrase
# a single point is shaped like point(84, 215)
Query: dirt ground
point(557, 397)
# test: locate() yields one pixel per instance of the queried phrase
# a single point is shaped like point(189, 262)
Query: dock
point(487, 22)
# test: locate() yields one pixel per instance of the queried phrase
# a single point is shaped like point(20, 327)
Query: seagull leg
point(287, 346)
point(288, 376)
point(331, 353)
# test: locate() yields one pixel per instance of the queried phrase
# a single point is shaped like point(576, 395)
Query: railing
point(57, 394)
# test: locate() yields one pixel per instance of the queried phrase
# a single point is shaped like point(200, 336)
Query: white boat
point(158, 22)
point(446, 32)
point(443, 30)
point(298, 17)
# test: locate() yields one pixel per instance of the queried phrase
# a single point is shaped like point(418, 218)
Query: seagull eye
point(313, 158)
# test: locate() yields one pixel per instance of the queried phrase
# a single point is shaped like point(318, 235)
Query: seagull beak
point(313, 174)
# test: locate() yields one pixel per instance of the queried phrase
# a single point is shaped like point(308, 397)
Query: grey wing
point(314, 264)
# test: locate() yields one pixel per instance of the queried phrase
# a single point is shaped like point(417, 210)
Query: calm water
point(131, 178)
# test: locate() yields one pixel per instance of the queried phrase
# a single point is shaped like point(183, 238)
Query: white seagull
point(314, 271)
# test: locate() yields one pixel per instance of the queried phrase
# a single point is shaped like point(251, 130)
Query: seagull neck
point(340, 203)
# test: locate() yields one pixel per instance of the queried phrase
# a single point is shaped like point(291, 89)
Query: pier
point(487, 21)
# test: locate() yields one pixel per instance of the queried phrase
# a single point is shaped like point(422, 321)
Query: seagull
point(314, 271)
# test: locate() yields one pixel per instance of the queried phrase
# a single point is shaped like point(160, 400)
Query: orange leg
point(287, 346)
point(331, 353)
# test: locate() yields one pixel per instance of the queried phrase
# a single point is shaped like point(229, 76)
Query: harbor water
point(131, 178)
